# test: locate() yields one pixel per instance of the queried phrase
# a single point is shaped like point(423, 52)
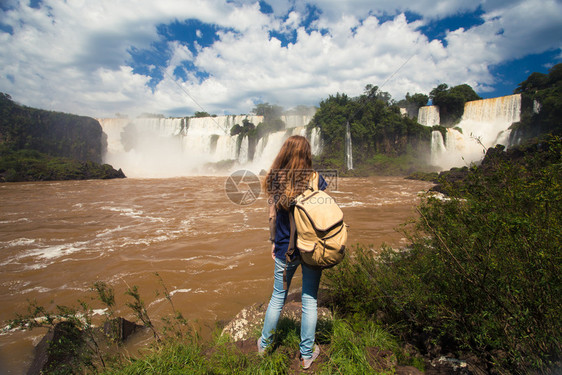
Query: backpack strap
point(313, 185)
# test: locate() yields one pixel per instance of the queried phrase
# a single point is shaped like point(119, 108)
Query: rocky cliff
point(51, 133)
point(44, 145)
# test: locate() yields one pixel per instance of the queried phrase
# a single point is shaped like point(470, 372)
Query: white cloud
point(180, 53)
point(333, 9)
point(528, 27)
point(352, 55)
point(74, 56)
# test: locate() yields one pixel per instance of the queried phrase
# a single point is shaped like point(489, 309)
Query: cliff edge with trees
point(38, 145)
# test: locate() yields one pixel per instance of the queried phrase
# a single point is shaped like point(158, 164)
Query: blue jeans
point(310, 283)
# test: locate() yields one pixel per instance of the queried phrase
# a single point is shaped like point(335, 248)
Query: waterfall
point(484, 124)
point(437, 147)
point(243, 151)
point(316, 141)
point(266, 150)
point(113, 127)
point(499, 111)
point(429, 115)
point(227, 148)
point(218, 125)
point(163, 127)
point(536, 106)
point(167, 147)
point(348, 149)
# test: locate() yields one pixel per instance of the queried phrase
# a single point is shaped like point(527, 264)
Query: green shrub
point(483, 273)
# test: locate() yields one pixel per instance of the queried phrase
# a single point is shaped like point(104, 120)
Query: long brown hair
point(290, 171)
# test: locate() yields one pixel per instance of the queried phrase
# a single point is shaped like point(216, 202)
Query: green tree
point(236, 129)
point(534, 82)
point(268, 111)
point(441, 89)
point(201, 114)
point(418, 99)
point(412, 103)
point(376, 125)
point(331, 118)
point(546, 91)
point(451, 101)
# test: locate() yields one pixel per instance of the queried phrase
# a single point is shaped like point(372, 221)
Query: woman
point(289, 176)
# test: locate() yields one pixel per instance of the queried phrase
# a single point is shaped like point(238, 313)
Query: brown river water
point(58, 238)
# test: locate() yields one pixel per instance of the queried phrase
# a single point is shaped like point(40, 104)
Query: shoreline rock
point(250, 319)
point(64, 345)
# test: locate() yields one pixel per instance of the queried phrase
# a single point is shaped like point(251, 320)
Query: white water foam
point(134, 213)
point(351, 204)
point(180, 291)
point(20, 220)
point(36, 289)
point(20, 242)
point(108, 231)
point(57, 251)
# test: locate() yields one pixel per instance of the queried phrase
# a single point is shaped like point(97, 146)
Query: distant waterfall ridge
point(169, 147)
point(484, 124)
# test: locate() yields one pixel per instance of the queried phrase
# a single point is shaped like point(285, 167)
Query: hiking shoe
point(307, 362)
point(261, 350)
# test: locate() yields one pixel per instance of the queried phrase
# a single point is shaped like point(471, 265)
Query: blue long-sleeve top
point(283, 226)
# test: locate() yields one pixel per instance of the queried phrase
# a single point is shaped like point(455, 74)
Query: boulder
point(57, 349)
point(249, 321)
point(64, 348)
point(120, 329)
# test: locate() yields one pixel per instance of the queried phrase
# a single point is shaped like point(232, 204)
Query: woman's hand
point(273, 251)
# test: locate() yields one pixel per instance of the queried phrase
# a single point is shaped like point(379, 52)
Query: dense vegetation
point(52, 133)
point(31, 165)
point(412, 103)
point(201, 114)
point(483, 273)
point(540, 93)
point(384, 141)
point(451, 100)
point(44, 145)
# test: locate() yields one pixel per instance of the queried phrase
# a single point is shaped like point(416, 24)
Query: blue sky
point(103, 57)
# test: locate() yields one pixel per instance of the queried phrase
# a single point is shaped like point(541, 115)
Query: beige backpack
point(317, 223)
